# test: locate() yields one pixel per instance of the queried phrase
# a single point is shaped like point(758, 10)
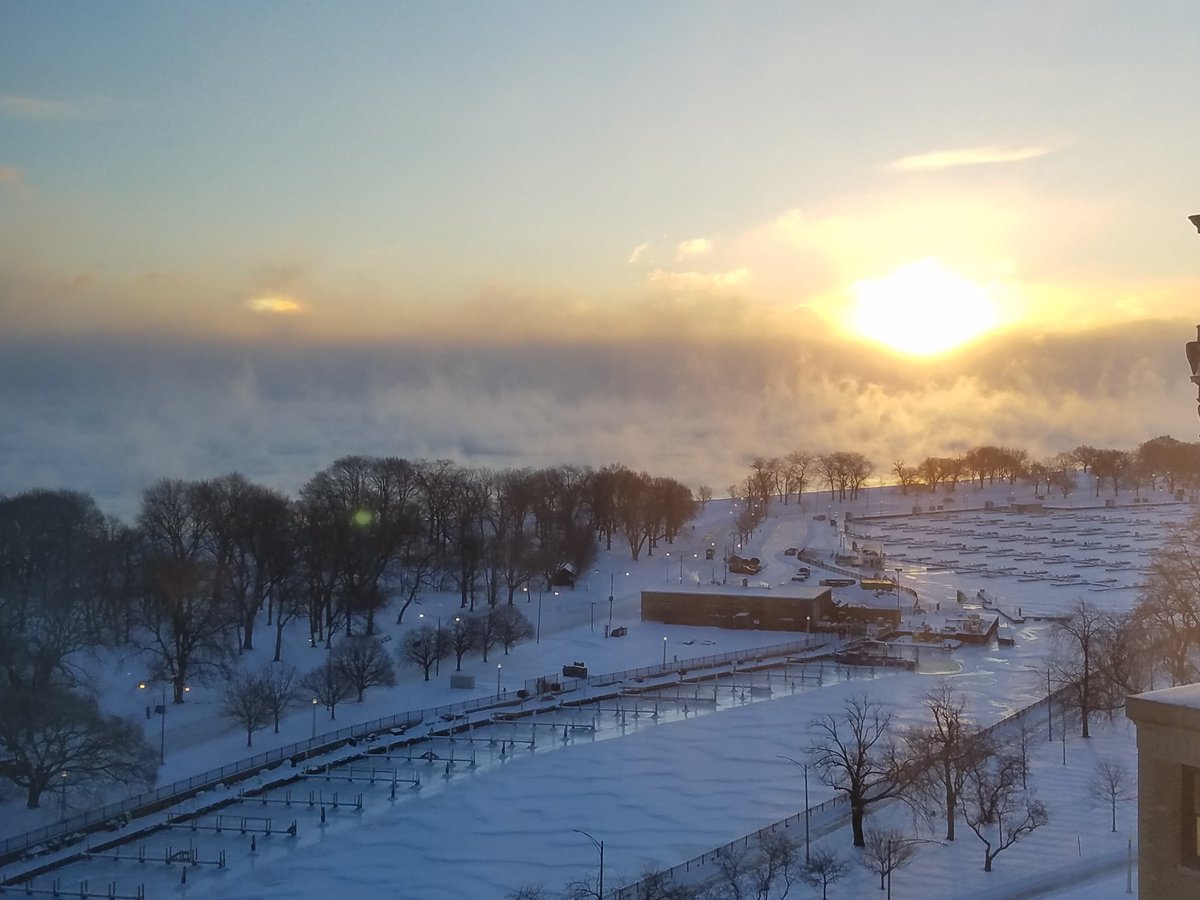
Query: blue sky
point(556, 174)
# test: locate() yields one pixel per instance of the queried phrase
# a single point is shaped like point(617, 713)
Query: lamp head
point(1195, 220)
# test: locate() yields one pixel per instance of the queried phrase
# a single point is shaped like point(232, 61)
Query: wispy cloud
point(693, 248)
point(274, 306)
point(637, 252)
point(44, 109)
point(690, 281)
point(965, 156)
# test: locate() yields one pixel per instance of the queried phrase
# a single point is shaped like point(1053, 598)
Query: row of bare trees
point(1162, 461)
point(361, 661)
point(945, 769)
point(845, 473)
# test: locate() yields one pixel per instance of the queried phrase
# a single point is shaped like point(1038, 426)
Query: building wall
point(1168, 740)
point(768, 611)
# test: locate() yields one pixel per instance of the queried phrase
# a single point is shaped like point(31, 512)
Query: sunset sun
point(921, 309)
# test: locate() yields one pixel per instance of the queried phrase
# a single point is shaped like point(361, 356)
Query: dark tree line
point(209, 565)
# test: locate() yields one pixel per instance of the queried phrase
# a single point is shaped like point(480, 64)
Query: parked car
point(790, 551)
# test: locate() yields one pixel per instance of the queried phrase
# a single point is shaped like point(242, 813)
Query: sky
point(259, 236)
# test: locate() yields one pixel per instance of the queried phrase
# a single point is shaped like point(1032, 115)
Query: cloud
point(965, 156)
point(44, 110)
point(693, 248)
point(274, 306)
point(637, 252)
point(698, 281)
point(111, 417)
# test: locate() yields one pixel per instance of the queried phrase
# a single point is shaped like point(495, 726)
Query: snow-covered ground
point(661, 790)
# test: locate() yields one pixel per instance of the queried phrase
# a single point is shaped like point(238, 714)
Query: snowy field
point(659, 790)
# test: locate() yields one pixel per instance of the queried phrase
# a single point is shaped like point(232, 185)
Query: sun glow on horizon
point(921, 309)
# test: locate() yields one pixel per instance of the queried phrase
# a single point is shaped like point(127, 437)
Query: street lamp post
point(314, 728)
point(664, 651)
point(437, 662)
point(162, 728)
point(592, 618)
point(803, 766)
point(897, 593)
point(599, 846)
point(539, 620)
point(1049, 722)
point(808, 641)
point(498, 679)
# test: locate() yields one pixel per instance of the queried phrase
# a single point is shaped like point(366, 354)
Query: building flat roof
point(788, 591)
point(1176, 706)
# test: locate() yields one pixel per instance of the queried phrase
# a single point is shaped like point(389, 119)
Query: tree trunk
point(857, 812)
point(950, 803)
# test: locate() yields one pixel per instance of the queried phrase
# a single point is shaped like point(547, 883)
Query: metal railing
point(166, 795)
point(232, 771)
point(833, 808)
point(755, 655)
point(840, 804)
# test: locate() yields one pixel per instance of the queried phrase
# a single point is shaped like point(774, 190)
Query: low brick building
point(785, 608)
point(1168, 742)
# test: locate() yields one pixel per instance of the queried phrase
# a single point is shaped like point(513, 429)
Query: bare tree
point(460, 638)
point(778, 866)
point(280, 689)
point(364, 663)
point(424, 646)
point(853, 753)
point(581, 889)
point(945, 750)
point(1022, 746)
point(51, 734)
point(54, 547)
point(329, 685)
point(1168, 608)
point(484, 624)
point(185, 623)
point(907, 476)
point(996, 808)
point(654, 885)
point(886, 850)
point(1076, 661)
point(245, 701)
point(528, 892)
point(510, 626)
point(823, 868)
point(735, 865)
point(1112, 784)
